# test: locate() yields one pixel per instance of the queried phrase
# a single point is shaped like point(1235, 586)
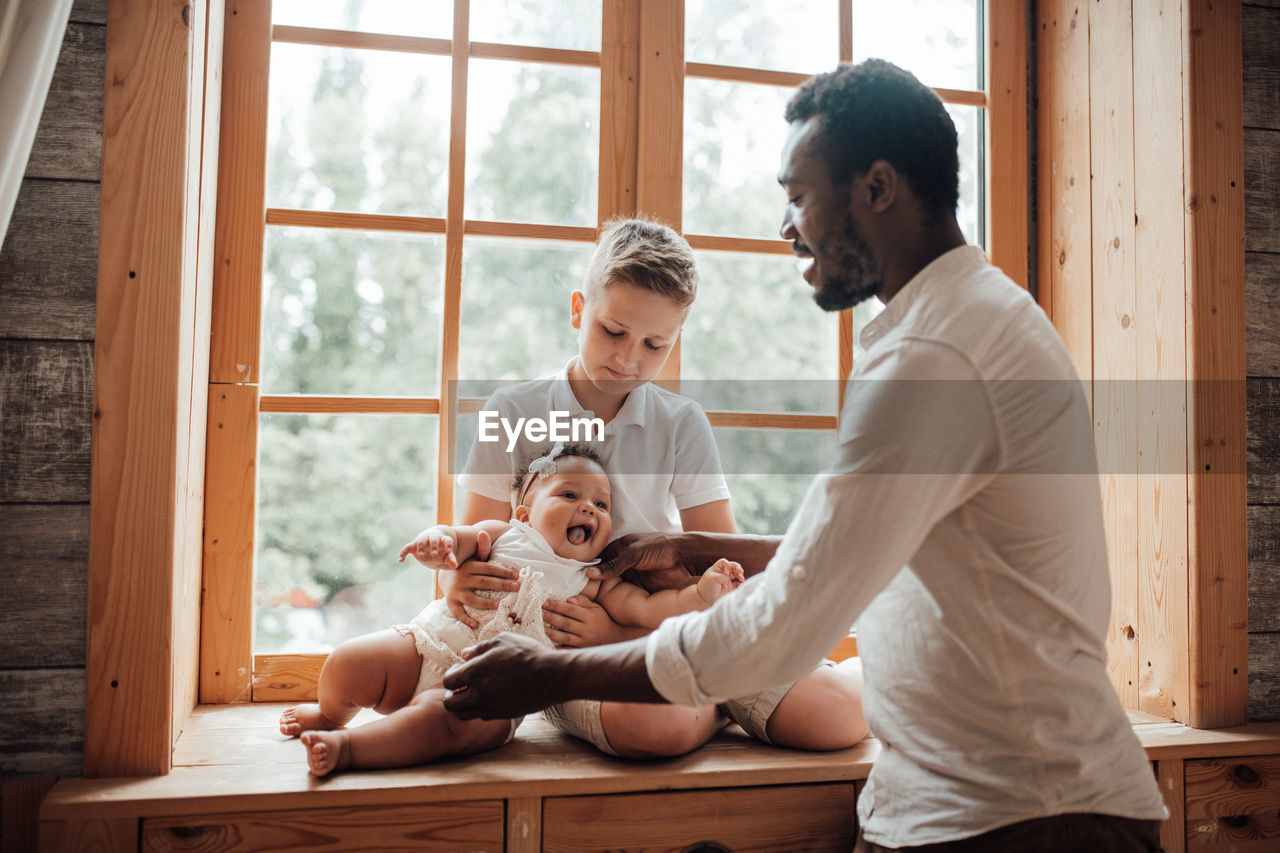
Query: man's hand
point(475, 574)
point(580, 622)
point(654, 560)
point(504, 677)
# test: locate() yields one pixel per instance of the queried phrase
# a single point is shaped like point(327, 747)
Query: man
point(960, 524)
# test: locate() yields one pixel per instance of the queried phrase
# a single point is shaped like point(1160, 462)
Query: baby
point(561, 523)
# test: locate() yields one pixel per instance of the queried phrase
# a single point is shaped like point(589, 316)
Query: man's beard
point(847, 276)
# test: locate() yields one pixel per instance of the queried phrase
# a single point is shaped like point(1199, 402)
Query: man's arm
point(511, 675)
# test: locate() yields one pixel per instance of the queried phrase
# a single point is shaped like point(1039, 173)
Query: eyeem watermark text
point(559, 427)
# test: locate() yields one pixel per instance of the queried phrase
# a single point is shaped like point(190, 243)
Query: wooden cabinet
point(1233, 804)
point(782, 819)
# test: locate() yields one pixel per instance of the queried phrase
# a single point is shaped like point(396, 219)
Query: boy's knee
point(653, 734)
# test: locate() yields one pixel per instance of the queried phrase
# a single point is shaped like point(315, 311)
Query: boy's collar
point(631, 413)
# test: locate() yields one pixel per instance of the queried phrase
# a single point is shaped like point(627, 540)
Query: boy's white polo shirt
point(659, 451)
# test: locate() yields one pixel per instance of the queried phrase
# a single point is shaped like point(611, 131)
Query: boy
point(661, 456)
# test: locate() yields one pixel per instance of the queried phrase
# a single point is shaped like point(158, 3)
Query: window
point(432, 188)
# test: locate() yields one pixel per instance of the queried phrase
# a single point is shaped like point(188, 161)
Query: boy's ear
point(576, 301)
point(522, 514)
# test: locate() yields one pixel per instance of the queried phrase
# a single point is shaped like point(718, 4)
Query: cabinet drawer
point(1233, 804)
point(786, 818)
point(443, 827)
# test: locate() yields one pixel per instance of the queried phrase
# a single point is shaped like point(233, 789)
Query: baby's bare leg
point(419, 732)
point(822, 711)
point(643, 730)
point(376, 671)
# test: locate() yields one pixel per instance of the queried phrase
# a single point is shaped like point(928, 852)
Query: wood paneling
point(1262, 313)
point(801, 817)
point(107, 836)
point(45, 391)
point(43, 731)
point(89, 11)
point(1264, 569)
point(524, 825)
point(68, 141)
point(45, 551)
point(19, 812)
point(1262, 190)
point(443, 828)
point(1261, 39)
point(1263, 402)
point(286, 678)
point(1264, 676)
point(1170, 777)
point(49, 262)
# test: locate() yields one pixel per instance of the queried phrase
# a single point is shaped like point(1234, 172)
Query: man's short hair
point(877, 111)
point(646, 254)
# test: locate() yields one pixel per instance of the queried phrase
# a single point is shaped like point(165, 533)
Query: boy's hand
point(719, 580)
point(434, 548)
point(476, 574)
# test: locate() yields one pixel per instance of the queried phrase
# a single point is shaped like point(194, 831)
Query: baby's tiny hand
point(719, 580)
point(434, 548)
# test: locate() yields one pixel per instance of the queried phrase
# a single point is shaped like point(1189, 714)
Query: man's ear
point(881, 186)
point(576, 300)
point(522, 514)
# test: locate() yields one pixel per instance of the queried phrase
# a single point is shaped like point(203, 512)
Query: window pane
point(351, 312)
point(338, 495)
point(359, 130)
point(402, 17)
point(733, 135)
point(802, 35)
point(755, 319)
point(769, 470)
point(533, 143)
point(515, 308)
point(568, 24)
point(937, 41)
point(971, 211)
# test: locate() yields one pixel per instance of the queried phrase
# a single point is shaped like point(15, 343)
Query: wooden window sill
point(231, 757)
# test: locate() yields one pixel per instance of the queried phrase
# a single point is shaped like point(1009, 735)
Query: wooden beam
point(147, 314)
point(619, 106)
point(1213, 145)
point(1008, 193)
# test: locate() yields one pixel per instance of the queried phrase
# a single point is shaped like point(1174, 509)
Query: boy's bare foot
point(326, 751)
point(304, 718)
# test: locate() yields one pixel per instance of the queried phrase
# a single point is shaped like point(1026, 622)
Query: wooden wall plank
point(45, 409)
point(1261, 43)
point(1215, 234)
point(1115, 332)
point(43, 731)
point(1262, 190)
point(1262, 313)
point(226, 662)
point(49, 262)
point(20, 812)
point(1263, 404)
point(45, 551)
point(68, 141)
point(89, 11)
point(1264, 569)
point(1160, 337)
point(1062, 175)
point(1264, 676)
point(147, 311)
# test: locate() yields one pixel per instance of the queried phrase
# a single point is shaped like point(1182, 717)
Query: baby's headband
point(543, 466)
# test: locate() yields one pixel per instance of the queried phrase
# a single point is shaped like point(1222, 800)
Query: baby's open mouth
point(578, 534)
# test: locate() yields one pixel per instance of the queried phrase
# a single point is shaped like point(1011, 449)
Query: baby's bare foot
point(304, 718)
point(326, 751)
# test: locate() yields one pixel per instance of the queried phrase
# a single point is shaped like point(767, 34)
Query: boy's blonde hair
point(645, 254)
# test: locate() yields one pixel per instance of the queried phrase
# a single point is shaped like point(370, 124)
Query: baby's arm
point(445, 547)
point(629, 604)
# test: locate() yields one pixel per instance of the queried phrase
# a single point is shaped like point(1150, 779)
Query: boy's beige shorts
point(581, 717)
